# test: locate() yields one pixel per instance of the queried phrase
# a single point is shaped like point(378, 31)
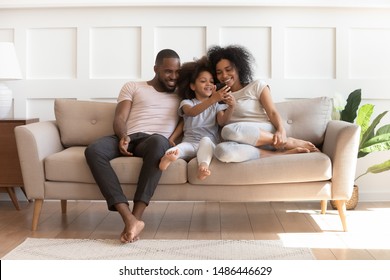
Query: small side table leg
point(12, 195)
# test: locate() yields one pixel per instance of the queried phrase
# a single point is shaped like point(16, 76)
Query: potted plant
point(371, 139)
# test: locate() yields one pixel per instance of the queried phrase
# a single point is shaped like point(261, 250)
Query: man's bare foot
point(293, 143)
point(203, 171)
point(132, 231)
point(168, 158)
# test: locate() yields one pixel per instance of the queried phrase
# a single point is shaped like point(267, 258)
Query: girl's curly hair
point(238, 55)
point(188, 74)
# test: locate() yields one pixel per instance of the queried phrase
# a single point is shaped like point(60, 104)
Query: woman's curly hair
point(238, 55)
point(188, 74)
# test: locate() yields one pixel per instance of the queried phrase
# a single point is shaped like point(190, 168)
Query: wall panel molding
point(310, 53)
point(257, 39)
point(115, 52)
point(192, 3)
point(7, 35)
point(51, 53)
point(369, 53)
point(88, 49)
point(190, 40)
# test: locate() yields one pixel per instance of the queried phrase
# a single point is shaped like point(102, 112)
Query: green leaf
point(369, 133)
point(383, 130)
point(363, 120)
point(361, 154)
point(376, 144)
point(353, 102)
point(377, 168)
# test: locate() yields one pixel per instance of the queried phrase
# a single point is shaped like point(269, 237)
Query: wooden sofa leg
point(341, 208)
point(37, 212)
point(63, 206)
point(324, 206)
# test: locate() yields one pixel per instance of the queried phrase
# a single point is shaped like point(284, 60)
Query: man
point(146, 115)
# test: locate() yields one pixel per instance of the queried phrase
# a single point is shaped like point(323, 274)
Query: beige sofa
point(53, 165)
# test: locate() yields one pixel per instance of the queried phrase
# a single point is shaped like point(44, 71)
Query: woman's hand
point(279, 140)
point(124, 145)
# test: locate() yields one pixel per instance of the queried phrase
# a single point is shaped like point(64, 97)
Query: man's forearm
point(120, 129)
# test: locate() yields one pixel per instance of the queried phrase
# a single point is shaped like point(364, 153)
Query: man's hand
point(124, 145)
point(171, 142)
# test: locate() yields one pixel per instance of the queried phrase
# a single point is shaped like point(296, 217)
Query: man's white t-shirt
point(151, 111)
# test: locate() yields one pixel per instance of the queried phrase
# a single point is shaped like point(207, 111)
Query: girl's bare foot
point(131, 231)
point(203, 171)
point(168, 158)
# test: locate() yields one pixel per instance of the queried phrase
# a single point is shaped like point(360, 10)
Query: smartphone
point(220, 85)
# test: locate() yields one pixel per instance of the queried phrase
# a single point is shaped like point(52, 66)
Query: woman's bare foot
point(298, 150)
point(268, 153)
point(168, 158)
point(203, 171)
point(293, 143)
point(132, 230)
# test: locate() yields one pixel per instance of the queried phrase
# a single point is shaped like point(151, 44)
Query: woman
point(255, 128)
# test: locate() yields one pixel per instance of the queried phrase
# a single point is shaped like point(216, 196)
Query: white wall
point(88, 49)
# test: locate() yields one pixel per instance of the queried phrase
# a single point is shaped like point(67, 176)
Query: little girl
point(202, 113)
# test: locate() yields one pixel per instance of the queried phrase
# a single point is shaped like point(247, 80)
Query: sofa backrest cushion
point(82, 122)
point(306, 119)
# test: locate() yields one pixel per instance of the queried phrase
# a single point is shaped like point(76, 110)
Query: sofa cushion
point(307, 167)
point(306, 119)
point(81, 122)
point(70, 165)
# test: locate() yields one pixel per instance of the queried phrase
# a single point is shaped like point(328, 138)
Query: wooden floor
point(297, 224)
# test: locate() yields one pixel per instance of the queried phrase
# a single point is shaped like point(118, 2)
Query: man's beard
point(166, 87)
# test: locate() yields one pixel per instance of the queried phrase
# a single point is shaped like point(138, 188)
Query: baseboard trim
point(371, 197)
point(363, 197)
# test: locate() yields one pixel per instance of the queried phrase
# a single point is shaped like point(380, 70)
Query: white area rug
point(151, 249)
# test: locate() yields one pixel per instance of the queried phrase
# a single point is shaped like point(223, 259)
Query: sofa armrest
point(341, 144)
point(35, 142)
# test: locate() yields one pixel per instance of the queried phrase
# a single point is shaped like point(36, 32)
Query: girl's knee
point(205, 141)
